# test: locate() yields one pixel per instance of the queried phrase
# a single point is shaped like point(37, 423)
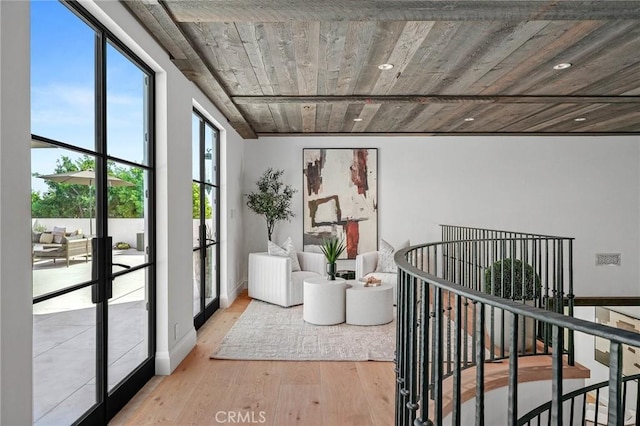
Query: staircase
point(486, 334)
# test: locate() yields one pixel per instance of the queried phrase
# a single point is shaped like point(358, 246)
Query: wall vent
point(603, 259)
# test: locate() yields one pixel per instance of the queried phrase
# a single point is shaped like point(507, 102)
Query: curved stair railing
point(585, 405)
point(450, 331)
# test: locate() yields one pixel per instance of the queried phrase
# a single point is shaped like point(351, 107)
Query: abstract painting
point(341, 198)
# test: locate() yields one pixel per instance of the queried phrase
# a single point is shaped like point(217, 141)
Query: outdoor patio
point(64, 336)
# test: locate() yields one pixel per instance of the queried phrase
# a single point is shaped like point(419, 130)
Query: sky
point(62, 90)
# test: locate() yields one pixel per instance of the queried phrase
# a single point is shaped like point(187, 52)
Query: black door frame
point(207, 310)
point(109, 403)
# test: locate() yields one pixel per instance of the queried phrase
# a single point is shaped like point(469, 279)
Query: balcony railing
point(586, 405)
point(482, 296)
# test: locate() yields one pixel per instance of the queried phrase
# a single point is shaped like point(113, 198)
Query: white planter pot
point(524, 323)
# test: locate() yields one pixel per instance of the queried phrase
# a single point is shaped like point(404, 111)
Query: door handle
point(101, 249)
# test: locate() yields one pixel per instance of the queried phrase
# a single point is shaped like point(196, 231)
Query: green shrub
point(508, 273)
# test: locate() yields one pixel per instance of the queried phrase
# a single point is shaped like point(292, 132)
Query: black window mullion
point(100, 206)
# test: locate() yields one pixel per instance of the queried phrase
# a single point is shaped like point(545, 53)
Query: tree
point(208, 209)
point(272, 200)
point(68, 200)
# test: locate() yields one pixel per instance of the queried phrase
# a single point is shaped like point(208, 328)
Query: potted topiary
point(515, 280)
point(332, 249)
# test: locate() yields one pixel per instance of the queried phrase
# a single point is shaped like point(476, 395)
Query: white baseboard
point(166, 362)
point(227, 300)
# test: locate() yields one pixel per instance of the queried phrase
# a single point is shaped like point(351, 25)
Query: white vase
point(524, 323)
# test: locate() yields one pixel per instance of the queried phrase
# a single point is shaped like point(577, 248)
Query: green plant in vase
point(516, 280)
point(332, 249)
point(272, 200)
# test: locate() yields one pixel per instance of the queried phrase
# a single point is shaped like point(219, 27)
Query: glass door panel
point(62, 75)
point(64, 357)
point(64, 318)
point(195, 147)
point(128, 293)
point(126, 108)
point(210, 288)
point(210, 212)
point(128, 323)
point(210, 160)
point(197, 274)
point(63, 209)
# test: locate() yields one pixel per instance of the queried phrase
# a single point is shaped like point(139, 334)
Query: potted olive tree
point(272, 200)
point(515, 280)
point(332, 249)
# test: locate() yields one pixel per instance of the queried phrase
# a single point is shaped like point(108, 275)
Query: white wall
point(581, 187)
point(15, 209)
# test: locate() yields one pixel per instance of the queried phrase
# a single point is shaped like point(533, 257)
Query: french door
point(93, 219)
point(205, 189)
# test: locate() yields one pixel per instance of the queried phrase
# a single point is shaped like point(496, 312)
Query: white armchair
point(271, 279)
point(366, 265)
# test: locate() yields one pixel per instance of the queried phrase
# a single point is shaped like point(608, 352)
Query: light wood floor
point(203, 391)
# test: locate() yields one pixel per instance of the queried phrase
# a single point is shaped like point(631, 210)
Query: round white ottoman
point(369, 305)
point(324, 301)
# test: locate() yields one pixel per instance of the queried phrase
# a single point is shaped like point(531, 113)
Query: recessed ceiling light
point(357, 119)
point(469, 119)
point(385, 67)
point(562, 66)
point(580, 119)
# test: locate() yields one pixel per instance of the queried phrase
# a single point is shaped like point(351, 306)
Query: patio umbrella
point(85, 177)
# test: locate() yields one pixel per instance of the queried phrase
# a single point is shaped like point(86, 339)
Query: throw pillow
point(284, 250)
point(46, 238)
point(58, 234)
point(385, 256)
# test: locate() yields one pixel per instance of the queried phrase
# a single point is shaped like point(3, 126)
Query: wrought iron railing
point(549, 259)
point(450, 311)
point(585, 405)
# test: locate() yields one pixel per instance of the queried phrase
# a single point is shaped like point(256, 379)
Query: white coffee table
point(324, 301)
point(369, 305)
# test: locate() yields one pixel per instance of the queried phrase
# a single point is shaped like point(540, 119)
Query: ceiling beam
point(155, 17)
point(400, 10)
point(430, 99)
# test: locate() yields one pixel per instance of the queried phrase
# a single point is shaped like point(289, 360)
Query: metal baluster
point(616, 416)
point(412, 400)
point(438, 356)
point(457, 364)
point(424, 355)
point(480, 365)
point(556, 376)
point(571, 342)
point(513, 373)
point(401, 350)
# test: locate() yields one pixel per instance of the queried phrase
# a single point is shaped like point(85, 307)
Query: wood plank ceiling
point(459, 67)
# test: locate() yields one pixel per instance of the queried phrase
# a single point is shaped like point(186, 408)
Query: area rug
point(270, 332)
